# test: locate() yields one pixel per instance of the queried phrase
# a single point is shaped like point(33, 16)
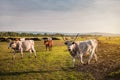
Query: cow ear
point(73, 42)
point(65, 43)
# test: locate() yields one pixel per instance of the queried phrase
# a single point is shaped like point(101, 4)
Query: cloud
point(60, 15)
point(22, 6)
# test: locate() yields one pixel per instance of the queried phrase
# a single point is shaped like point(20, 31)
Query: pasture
point(56, 64)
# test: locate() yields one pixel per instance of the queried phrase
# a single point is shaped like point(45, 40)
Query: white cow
point(24, 45)
point(82, 48)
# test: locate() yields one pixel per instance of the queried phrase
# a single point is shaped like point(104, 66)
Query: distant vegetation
point(37, 36)
point(4, 36)
point(30, 34)
point(23, 34)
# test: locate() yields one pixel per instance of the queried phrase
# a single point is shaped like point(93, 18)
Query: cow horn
point(76, 37)
point(63, 38)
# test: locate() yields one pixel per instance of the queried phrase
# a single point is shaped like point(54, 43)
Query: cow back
point(27, 44)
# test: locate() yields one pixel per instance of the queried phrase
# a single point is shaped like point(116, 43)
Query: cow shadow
point(33, 71)
point(21, 73)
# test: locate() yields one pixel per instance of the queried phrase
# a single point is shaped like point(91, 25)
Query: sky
point(69, 16)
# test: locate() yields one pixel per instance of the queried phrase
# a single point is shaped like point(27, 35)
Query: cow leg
point(30, 53)
point(46, 47)
point(14, 55)
point(81, 56)
point(49, 48)
point(91, 55)
point(95, 57)
point(33, 49)
point(34, 53)
point(73, 61)
point(21, 52)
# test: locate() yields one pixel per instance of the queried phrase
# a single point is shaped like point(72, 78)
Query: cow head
point(47, 40)
point(71, 45)
point(12, 44)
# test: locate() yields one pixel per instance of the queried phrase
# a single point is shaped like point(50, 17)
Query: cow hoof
point(87, 63)
point(84, 64)
point(72, 67)
point(95, 61)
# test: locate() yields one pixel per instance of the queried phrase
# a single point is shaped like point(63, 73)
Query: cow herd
point(75, 48)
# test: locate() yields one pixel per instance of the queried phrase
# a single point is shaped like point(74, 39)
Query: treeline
point(23, 34)
point(26, 34)
point(5, 36)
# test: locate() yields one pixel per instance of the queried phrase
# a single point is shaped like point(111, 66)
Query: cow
point(82, 48)
point(20, 46)
point(48, 43)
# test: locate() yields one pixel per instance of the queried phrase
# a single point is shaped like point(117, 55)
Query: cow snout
point(69, 49)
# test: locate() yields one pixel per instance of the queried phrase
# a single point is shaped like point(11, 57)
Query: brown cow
point(48, 43)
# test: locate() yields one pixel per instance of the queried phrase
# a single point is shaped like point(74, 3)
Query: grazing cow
point(82, 48)
point(48, 43)
point(24, 45)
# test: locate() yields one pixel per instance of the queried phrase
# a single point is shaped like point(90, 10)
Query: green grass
point(56, 64)
point(49, 65)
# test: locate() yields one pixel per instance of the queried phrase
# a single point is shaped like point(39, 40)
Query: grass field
point(56, 64)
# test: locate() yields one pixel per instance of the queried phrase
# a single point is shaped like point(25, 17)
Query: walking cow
point(81, 48)
point(24, 45)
